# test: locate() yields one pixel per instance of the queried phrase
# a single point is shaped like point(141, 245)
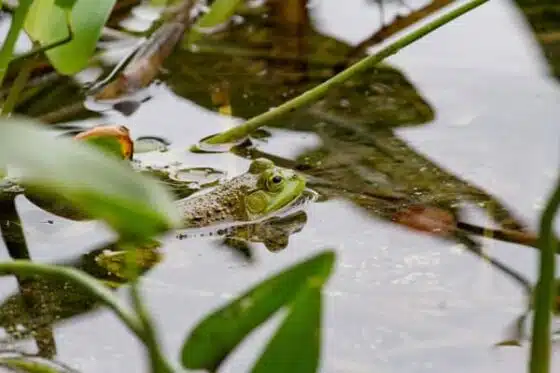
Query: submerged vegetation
point(274, 69)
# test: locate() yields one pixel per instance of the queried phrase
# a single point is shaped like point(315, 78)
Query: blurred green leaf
point(134, 205)
point(296, 346)
point(110, 145)
point(219, 13)
point(114, 140)
point(213, 339)
point(65, 4)
point(46, 23)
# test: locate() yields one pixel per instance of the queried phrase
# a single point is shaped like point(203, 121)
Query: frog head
point(275, 188)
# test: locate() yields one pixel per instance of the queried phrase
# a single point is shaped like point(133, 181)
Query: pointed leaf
point(98, 184)
point(296, 346)
point(217, 335)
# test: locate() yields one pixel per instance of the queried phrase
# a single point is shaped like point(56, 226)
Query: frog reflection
point(273, 233)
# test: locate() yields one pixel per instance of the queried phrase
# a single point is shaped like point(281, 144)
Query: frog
point(362, 157)
point(264, 189)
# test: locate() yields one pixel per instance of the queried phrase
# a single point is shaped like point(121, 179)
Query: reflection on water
point(459, 143)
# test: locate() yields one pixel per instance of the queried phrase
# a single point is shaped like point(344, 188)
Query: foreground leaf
point(296, 346)
point(216, 336)
point(46, 23)
point(97, 184)
point(65, 4)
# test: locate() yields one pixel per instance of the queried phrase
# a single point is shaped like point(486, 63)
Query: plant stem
point(9, 43)
point(18, 86)
point(158, 361)
point(237, 133)
point(545, 289)
point(89, 283)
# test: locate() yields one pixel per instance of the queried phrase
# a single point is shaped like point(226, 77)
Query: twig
point(397, 25)
point(475, 248)
point(507, 235)
point(237, 133)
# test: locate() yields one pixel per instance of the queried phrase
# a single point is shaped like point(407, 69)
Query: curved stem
point(158, 361)
point(9, 43)
point(237, 133)
point(545, 289)
point(18, 86)
point(89, 283)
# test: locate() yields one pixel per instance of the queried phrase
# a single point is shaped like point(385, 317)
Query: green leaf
point(102, 187)
point(110, 145)
point(65, 4)
point(296, 346)
point(219, 13)
point(46, 23)
point(213, 339)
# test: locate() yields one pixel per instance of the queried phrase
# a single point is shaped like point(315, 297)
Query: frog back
point(225, 203)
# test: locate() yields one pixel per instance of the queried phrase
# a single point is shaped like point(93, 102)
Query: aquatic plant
point(138, 209)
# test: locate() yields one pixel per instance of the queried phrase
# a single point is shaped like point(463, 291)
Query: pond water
point(399, 300)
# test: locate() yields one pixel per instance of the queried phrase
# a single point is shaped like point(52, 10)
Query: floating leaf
point(46, 23)
point(296, 346)
point(217, 335)
point(134, 205)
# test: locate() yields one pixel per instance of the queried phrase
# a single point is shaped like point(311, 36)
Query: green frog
point(265, 188)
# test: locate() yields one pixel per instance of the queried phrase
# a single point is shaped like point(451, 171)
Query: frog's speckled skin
point(226, 203)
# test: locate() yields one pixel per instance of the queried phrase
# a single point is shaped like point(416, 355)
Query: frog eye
point(274, 182)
